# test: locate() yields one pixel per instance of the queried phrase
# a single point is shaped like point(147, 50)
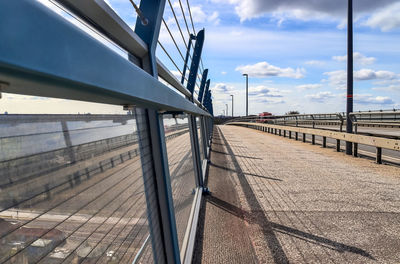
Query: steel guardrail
point(378, 142)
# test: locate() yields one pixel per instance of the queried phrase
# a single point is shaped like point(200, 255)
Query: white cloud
point(264, 69)
point(270, 100)
point(368, 74)
point(386, 19)
point(387, 85)
point(198, 14)
point(309, 86)
point(214, 18)
point(370, 99)
point(338, 79)
point(263, 91)
point(357, 57)
point(315, 63)
point(320, 97)
point(221, 88)
point(223, 72)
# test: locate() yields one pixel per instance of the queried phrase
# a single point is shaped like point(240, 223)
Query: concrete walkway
point(275, 200)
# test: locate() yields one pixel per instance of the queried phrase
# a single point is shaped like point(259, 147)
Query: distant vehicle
point(264, 117)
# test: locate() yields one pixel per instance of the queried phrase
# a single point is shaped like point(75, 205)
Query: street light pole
point(349, 125)
point(232, 104)
point(226, 109)
point(247, 93)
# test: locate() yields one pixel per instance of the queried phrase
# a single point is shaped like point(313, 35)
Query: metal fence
point(101, 188)
point(334, 121)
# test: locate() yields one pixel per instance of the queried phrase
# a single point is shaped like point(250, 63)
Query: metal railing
point(323, 125)
point(381, 118)
point(100, 188)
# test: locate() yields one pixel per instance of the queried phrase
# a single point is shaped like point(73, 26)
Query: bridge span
point(277, 200)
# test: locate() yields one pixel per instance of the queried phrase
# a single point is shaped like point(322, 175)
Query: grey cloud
point(248, 9)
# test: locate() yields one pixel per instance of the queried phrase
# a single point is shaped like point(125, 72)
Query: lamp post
point(247, 93)
point(232, 104)
point(349, 125)
point(226, 109)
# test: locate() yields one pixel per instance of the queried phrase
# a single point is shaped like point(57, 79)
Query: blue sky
point(293, 50)
point(295, 53)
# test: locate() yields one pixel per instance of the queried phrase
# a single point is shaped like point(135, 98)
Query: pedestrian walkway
point(276, 200)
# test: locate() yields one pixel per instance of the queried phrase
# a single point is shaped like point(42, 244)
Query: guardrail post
point(290, 134)
point(355, 150)
point(297, 136)
point(337, 145)
point(304, 137)
point(280, 132)
point(313, 139)
point(379, 155)
point(324, 142)
point(194, 67)
point(284, 133)
point(162, 224)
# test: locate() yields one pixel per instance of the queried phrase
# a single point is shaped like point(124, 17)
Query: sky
point(294, 52)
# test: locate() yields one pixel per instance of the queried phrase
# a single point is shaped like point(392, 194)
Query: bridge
point(138, 171)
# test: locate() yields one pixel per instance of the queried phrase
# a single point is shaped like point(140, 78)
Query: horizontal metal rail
point(24, 71)
point(102, 17)
point(388, 118)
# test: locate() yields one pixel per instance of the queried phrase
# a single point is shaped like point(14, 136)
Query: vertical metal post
point(290, 134)
point(355, 150)
point(313, 139)
point(304, 137)
point(195, 150)
point(198, 48)
point(247, 93)
point(202, 85)
point(204, 136)
point(297, 136)
point(226, 109)
point(232, 104)
point(194, 137)
point(162, 224)
point(379, 155)
point(337, 145)
point(349, 125)
point(324, 142)
point(206, 89)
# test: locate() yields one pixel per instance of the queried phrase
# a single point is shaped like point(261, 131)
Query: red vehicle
point(263, 117)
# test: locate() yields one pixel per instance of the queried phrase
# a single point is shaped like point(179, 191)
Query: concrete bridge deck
point(276, 200)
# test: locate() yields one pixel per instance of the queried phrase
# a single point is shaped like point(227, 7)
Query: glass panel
point(71, 184)
point(181, 169)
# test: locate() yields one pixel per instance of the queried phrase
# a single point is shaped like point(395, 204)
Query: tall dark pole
point(349, 125)
point(247, 93)
point(232, 104)
point(227, 113)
